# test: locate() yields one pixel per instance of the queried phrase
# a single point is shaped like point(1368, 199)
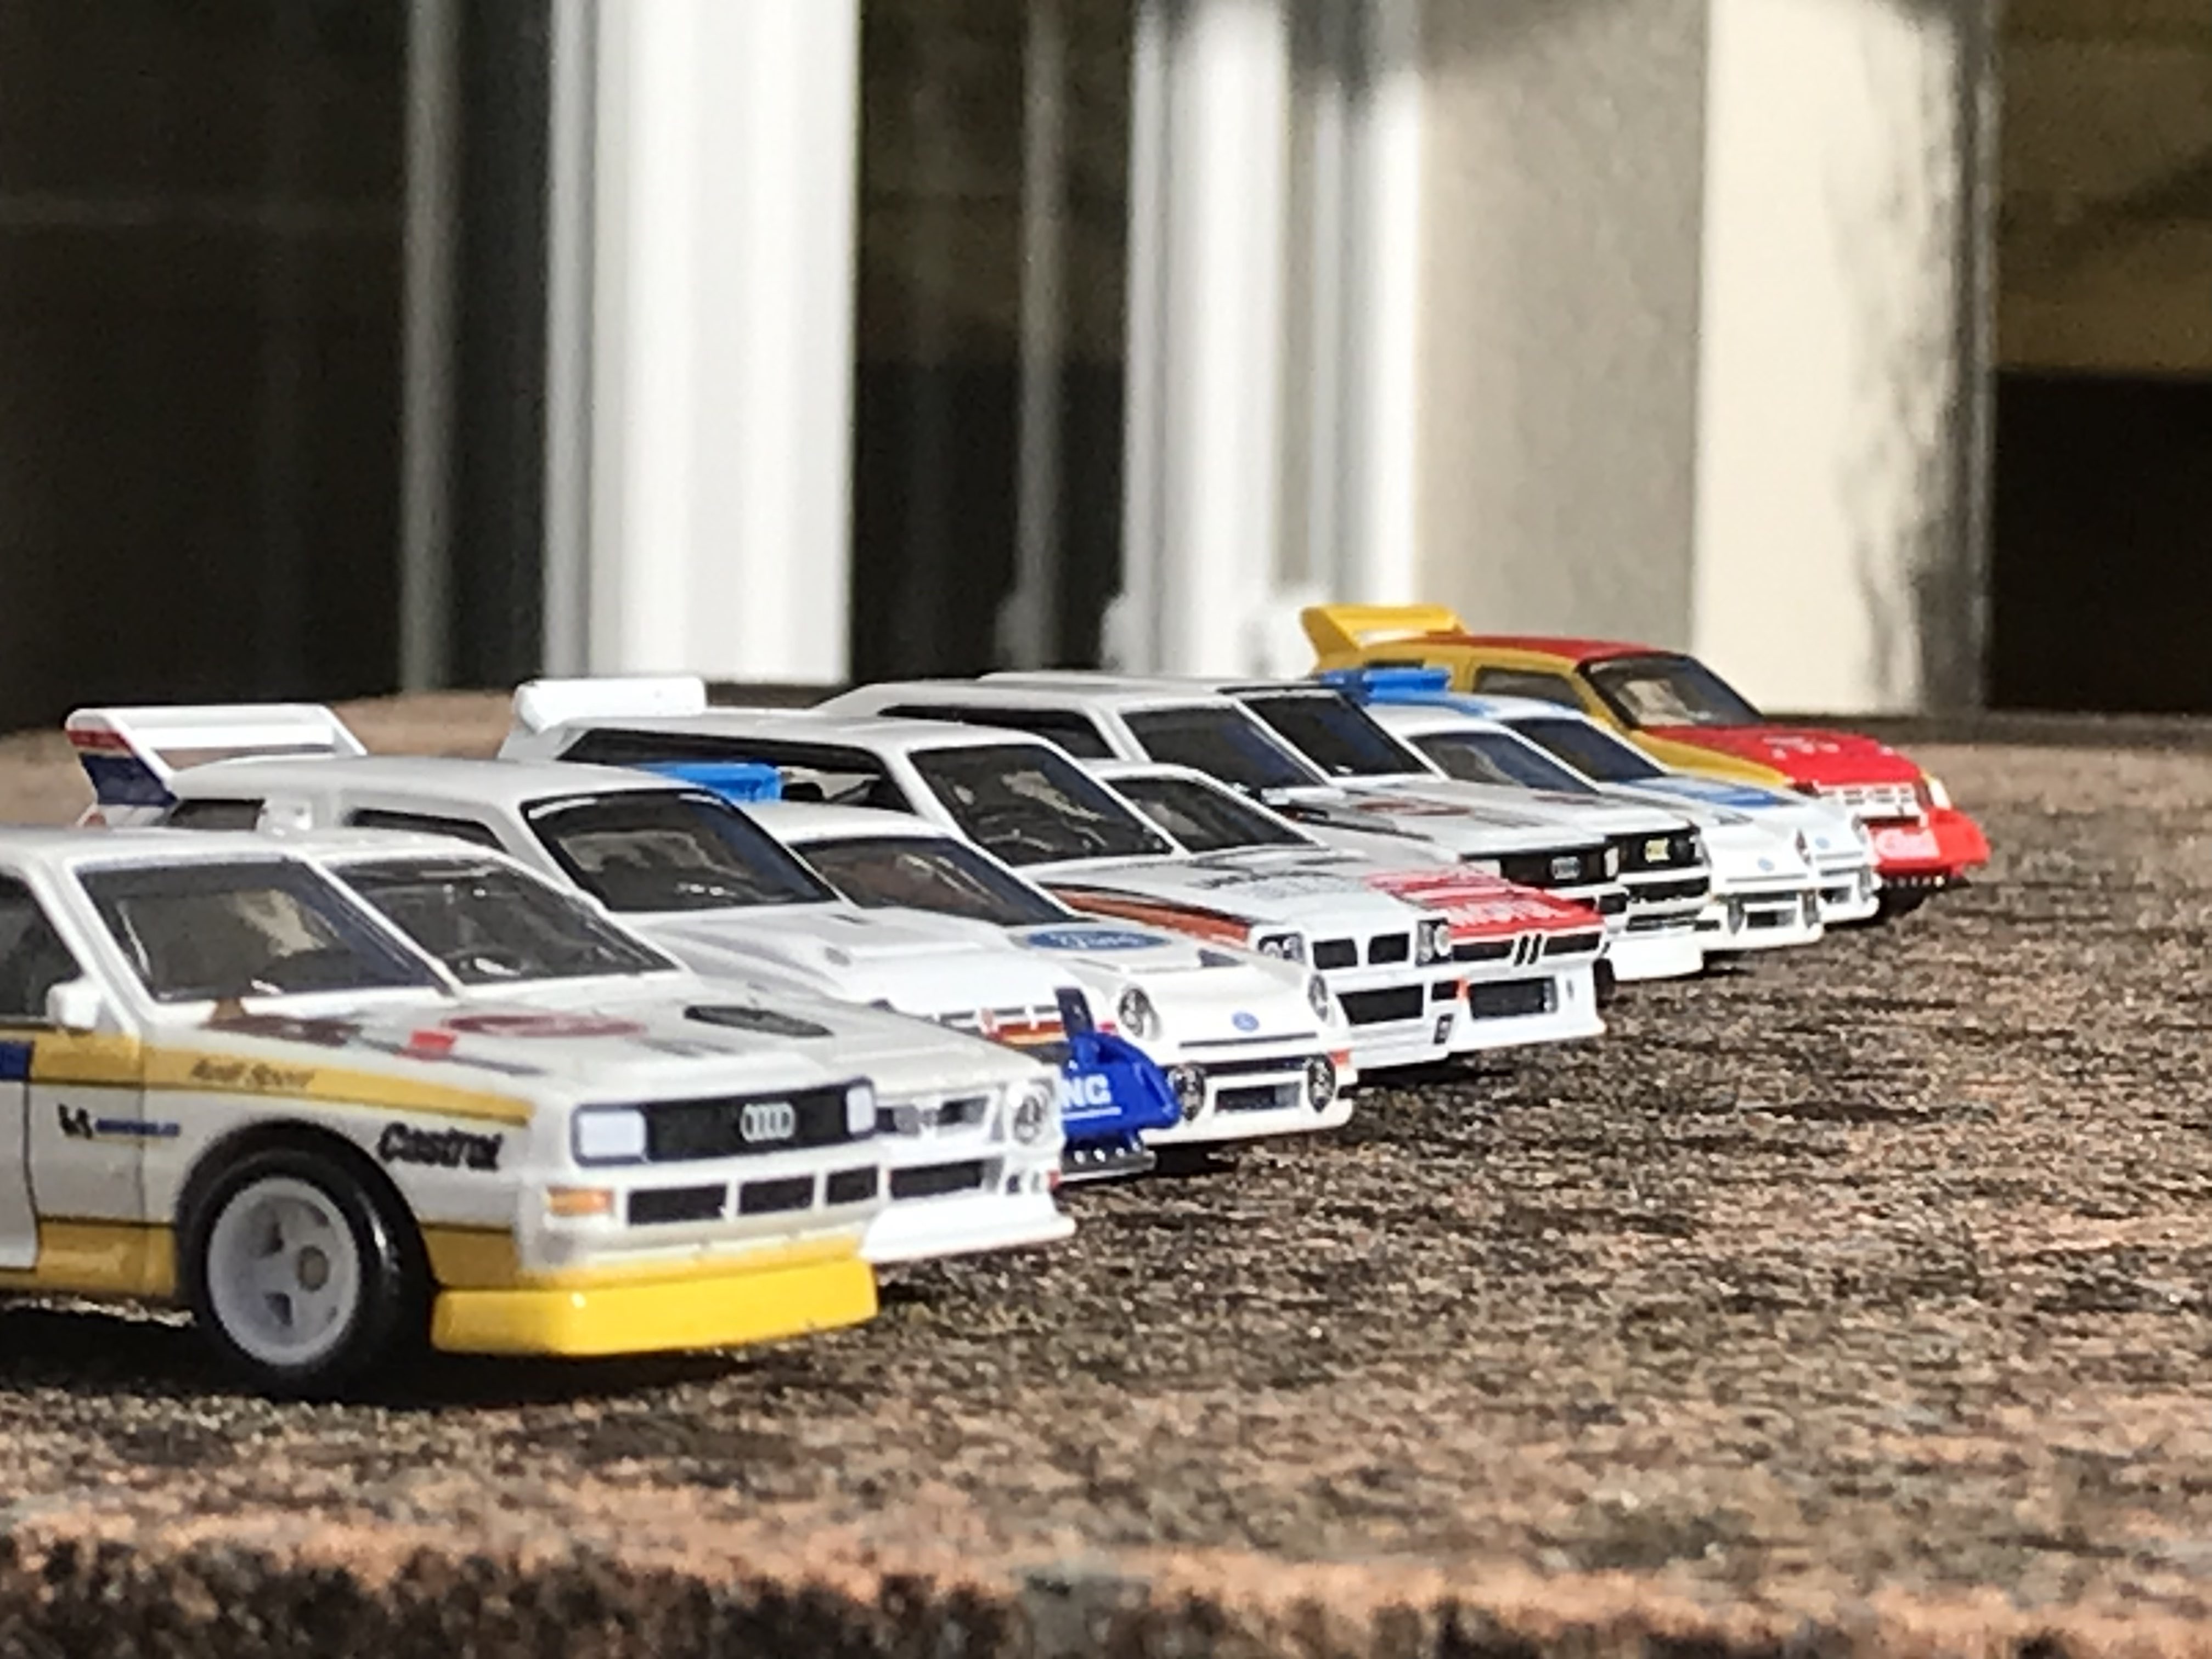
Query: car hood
point(605, 1043)
point(1596, 814)
point(1225, 896)
point(919, 964)
point(1470, 831)
point(1803, 754)
point(1484, 907)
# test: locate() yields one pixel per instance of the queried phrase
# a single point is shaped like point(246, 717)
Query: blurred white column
point(1835, 564)
point(710, 398)
point(1210, 136)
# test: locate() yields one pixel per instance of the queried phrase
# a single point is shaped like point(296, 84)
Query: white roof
point(1067, 689)
point(872, 732)
point(494, 784)
point(81, 848)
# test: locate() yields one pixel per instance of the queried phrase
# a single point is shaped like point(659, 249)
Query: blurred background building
point(1862, 345)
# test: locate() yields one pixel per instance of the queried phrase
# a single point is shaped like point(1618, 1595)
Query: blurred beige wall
point(1691, 315)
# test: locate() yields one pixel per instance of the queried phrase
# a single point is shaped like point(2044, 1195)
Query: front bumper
point(1113, 1159)
point(1425, 1034)
point(1252, 1099)
point(1558, 1004)
point(1670, 951)
point(1761, 919)
point(1935, 851)
point(924, 1229)
point(1849, 893)
point(764, 1296)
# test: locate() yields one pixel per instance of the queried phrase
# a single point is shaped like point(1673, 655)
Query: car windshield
point(647, 850)
point(1030, 804)
point(1590, 750)
point(211, 933)
point(1669, 691)
point(1500, 757)
point(932, 873)
point(1206, 819)
point(1343, 740)
point(1223, 742)
point(491, 924)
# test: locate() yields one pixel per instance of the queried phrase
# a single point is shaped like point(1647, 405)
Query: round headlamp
point(1432, 940)
point(1031, 1119)
point(1136, 1015)
point(1320, 1082)
point(1284, 947)
point(1318, 999)
point(1189, 1086)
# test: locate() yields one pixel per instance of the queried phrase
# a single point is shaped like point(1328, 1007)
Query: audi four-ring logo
point(769, 1120)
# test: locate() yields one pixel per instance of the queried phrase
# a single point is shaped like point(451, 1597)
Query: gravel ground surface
point(1866, 1288)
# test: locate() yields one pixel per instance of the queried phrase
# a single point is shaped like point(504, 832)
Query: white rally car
point(1600, 858)
point(1530, 959)
point(226, 1082)
point(1235, 1032)
point(1839, 845)
point(1765, 891)
point(974, 1155)
point(1030, 804)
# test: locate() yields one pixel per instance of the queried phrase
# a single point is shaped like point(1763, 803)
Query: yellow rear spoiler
point(1346, 630)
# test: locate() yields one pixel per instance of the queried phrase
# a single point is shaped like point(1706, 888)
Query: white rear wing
point(542, 705)
point(131, 755)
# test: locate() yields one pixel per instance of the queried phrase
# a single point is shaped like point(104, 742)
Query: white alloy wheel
point(283, 1272)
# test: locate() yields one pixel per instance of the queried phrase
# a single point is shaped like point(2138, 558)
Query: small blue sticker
point(14, 1062)
point(1244, 1022)
point(1102, 938)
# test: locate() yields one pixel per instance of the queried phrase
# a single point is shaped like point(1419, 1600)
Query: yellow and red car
point(1685, 716)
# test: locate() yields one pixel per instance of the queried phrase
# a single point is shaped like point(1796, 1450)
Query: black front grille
point(689, 1131)
point(936, 1180)
point(663, 1206)
point(1390, 947)
point(1549, 870)
point(1335, 953)
point(1670, 852)
point(1511, 999)
point(1444, 990)
point(1659, 892)
point(1488, 950)
point(1571, 945)
point(774, 1197)
point(1267, 1097)
point(1613, 904)
point(850, 1187)
point(1374, 1007)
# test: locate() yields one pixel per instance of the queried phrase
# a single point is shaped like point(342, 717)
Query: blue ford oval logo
point(1766, 864)
point(1245, 1021)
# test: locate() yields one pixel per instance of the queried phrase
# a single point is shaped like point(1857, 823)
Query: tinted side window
point(33, 958)
point(425, 824)
point(1526, 683)
point(1076, 733)
point(209, 814)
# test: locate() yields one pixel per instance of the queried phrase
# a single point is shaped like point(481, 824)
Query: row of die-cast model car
point(676, 1022)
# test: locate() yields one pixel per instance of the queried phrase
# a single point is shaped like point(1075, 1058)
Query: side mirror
point(76, 1005)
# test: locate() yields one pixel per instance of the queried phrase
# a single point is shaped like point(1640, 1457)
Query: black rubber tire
point(391, 1321)
point(1898, 902)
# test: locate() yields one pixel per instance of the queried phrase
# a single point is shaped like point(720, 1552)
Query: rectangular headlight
point(609, 1134)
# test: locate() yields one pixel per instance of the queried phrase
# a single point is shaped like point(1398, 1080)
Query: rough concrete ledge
point(64, 1596)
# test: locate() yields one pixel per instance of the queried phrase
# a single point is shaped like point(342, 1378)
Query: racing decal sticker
point(439, 1149)
point(1176, 918)
point(1090, 939)
point(78, 1124)
point(14, 1062)
point(547, 1026)
point(345, 1033)
point(1480, 905)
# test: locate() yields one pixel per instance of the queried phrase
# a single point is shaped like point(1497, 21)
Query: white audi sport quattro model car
point(1765, 891)
point(226, 1082)
point(1030, 804)
point(1595, 857)
point(1217, 1021)
point(1838, 844)
point(975, 1163)
point(1530, 960)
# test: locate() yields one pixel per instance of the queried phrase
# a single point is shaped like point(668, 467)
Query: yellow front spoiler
point(624, 1314)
